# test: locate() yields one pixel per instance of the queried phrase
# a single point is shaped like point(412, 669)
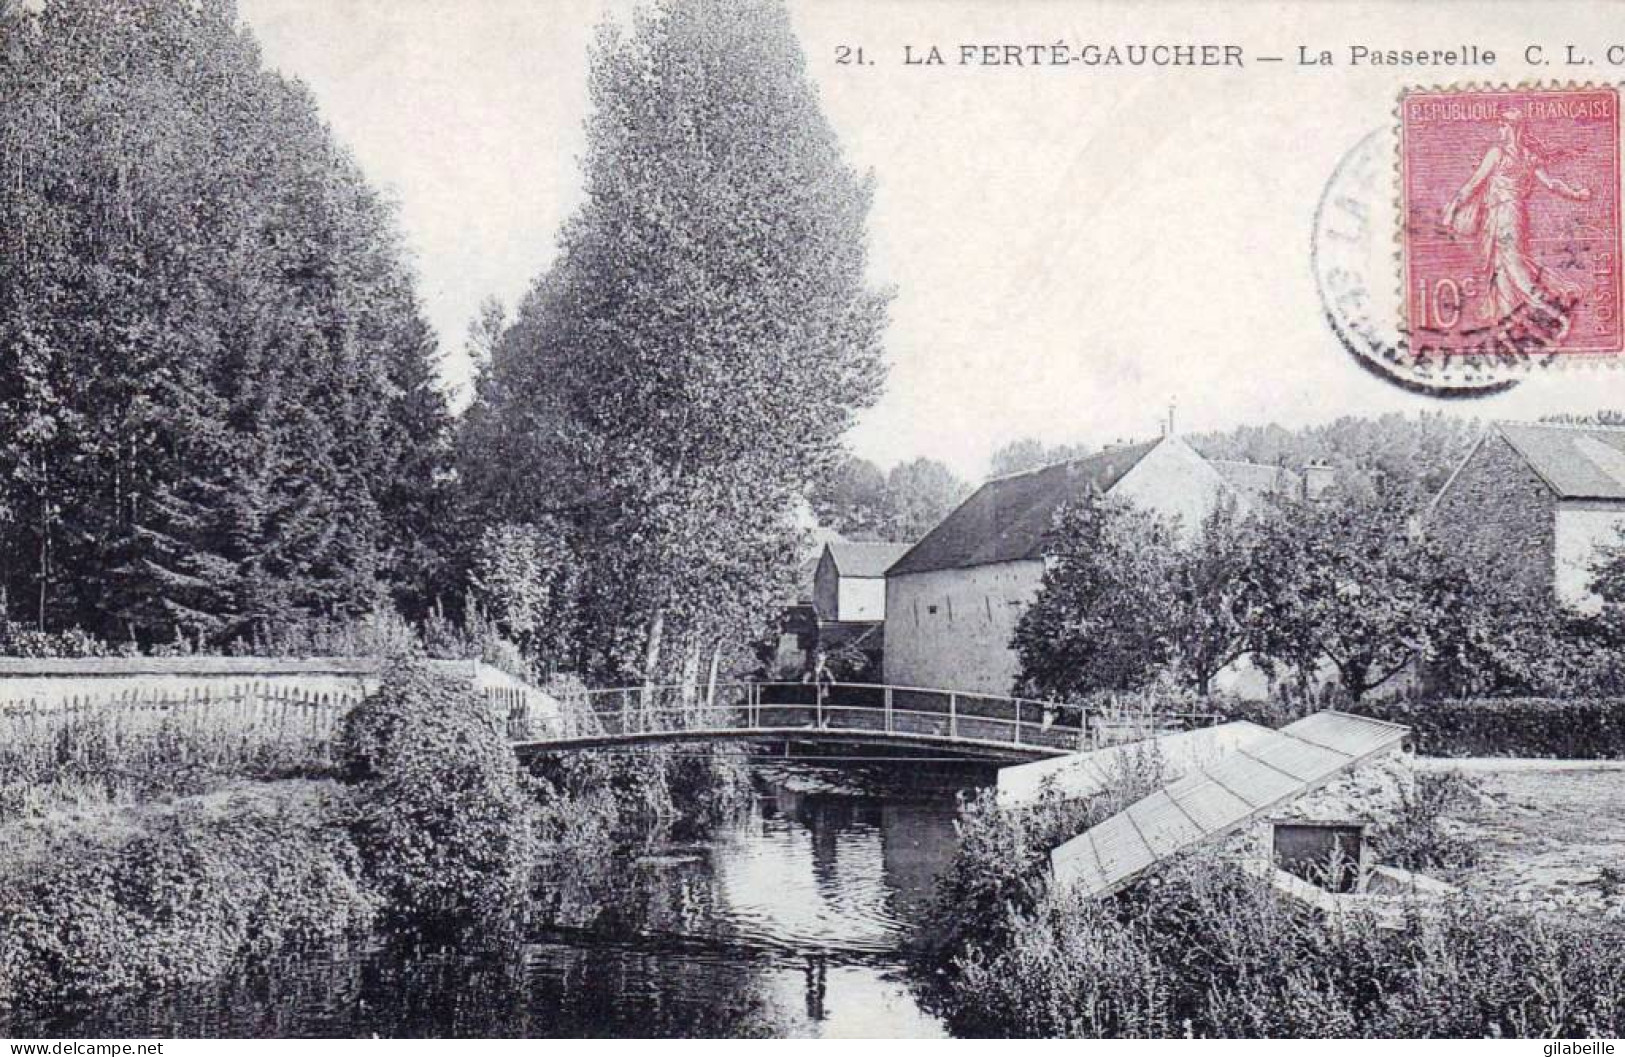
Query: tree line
point(1351, 591)
point(863, 502)
point(218, 391)
point(221, 421)
point(1408, 451)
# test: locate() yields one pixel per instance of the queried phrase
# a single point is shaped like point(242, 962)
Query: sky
point(1072, 249)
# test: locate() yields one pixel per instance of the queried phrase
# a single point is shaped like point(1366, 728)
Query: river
point(791, 921)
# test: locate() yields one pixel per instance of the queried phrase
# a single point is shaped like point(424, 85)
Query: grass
point(1546, 836)
point(111, 754)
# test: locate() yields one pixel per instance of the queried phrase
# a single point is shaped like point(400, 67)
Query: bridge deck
point(978, 747)
point(844, 713)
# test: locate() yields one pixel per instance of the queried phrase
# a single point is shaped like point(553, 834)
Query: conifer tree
point(217, 399)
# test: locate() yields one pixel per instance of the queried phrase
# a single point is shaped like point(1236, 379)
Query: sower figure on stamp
point(1494, 206)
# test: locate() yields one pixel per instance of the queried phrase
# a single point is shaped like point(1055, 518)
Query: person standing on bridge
point(821, 677)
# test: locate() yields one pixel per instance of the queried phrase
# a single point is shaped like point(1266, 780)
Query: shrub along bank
point(164, 894)
point(1208, 951)
point(441, 821)
point(1200, 948)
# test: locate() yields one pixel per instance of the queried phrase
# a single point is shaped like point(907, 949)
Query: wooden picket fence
point(254, 727)
point(242, 705)
point(249, 708)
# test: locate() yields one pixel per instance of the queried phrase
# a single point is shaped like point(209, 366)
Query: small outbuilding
point(1537, 502)
point(1298, 806)
point(849, 584)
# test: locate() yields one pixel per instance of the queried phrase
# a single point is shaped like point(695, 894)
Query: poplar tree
point(686, 369)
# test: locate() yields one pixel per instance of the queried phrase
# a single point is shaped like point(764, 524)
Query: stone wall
point(49, 681)
point(1373, 792)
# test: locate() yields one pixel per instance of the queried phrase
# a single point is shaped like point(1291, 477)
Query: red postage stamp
point(1510, 222)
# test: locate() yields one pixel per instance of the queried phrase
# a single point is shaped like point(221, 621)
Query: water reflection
point(789, 923)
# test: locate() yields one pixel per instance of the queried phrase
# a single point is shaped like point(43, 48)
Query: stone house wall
point(1499, 513)
point(950, 629)
point(861, 598)
point(1173, 481)
point(827, 587)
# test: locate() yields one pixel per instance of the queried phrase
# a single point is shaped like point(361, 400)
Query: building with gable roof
point(850, 581)
point(1537, 502)
point(953, 600)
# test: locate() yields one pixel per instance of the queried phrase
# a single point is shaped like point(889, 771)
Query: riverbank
point(1203, 948)
point(175, 892)
point(164, 859)
point(788, 919)
point(1547, 835)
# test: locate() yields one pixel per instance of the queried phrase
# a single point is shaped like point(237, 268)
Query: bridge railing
point(852, 707)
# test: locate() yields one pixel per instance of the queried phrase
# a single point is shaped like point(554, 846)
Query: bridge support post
point(888, 710)
point(953, 715)
point(1018, 721)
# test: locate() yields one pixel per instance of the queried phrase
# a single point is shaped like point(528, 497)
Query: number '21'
point(847, 56)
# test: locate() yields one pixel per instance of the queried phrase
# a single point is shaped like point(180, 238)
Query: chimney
point(1317, 479)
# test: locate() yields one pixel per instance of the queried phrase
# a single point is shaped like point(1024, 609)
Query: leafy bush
point(1100, 620)
point(1419, 838)
point(1205, 950)
point(524, 577)
point(166, 895)
point(1580, 728)
point(442, 822)
point(1000, 867)
point(627, 797)
point(19, 641)
point(587, 799)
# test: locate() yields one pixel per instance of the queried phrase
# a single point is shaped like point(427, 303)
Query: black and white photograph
point(778, 519)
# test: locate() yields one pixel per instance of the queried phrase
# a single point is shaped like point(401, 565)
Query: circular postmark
point(1355, 259)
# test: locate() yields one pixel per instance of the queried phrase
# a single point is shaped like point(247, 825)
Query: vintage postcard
point(926, 519)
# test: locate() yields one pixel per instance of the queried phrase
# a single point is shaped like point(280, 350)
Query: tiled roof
point(1216, 799)
point(1253, 481)
point(1006, 519)
point(1578, 462)
point(865, 559)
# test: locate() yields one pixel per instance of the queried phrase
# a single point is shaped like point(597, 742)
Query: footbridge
point(836, 714)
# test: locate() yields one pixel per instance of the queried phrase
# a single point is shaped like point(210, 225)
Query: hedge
point(1574, 728)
